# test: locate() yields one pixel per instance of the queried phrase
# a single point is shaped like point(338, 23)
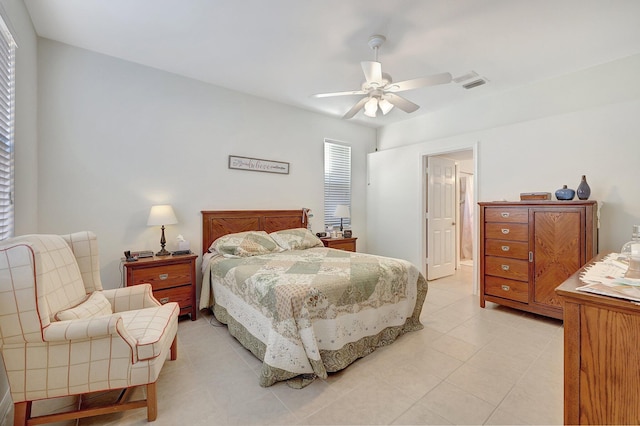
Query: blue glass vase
point(583, 191)
point(565, 193)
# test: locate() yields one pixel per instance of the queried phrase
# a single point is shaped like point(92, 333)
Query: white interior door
point(441, 214)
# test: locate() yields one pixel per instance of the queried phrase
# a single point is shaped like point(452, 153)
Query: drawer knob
point(163, 276)
point(505, 287)
point(164, 300)
point(505, 230)
point(505, 248)
point(504, 214)
point(505, 267)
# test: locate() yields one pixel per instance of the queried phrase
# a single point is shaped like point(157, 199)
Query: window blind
point(337, 181)
point(7, 101)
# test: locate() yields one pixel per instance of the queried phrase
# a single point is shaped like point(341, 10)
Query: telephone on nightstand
point(129, 257)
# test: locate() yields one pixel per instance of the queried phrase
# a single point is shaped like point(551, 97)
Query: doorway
point(459, 249)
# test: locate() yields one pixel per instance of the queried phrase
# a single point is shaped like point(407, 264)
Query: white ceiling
point(287, 50)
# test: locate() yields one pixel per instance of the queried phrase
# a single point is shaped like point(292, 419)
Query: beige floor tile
point(481, 383)
point(456, 405)
point(372, 403)
point(307, 401)
point(534, 405)
point(499, 417)
point(457, 348)
point(418, 414)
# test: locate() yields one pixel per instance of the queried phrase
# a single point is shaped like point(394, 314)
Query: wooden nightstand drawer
point(163, 276)
point(506, 248)
point(507, 231)
point(173, 279)
point(506, 214)
point(507, 268)
point(508, 289)
point(181, 295)
point(346, 244)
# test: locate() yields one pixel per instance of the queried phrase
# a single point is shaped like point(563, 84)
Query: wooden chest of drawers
point(173, 279)
point(528, 248)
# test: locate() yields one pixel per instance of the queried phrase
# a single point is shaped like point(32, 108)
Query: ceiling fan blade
point(372, 72)
point(402, 103)
point(357, 107)
point(327, 95)
point(431, 80)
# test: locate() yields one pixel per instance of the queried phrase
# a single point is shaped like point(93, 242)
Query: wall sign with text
point(258, 165)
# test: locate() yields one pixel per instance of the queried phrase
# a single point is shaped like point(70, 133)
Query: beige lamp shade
point(342, 211)
point(162, 215)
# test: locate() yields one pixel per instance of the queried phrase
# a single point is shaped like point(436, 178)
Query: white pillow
point(94, 305)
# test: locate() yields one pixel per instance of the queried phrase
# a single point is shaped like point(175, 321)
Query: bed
point(302, 309)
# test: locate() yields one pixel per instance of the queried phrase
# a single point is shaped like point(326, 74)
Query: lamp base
point(163, 241)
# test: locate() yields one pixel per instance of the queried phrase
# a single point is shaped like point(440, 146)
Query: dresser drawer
point(181, 295)
point(506, 248)
point(506, 268)
point(507, 231)
point(507, 289)
point(506, 214)
point(165, 276)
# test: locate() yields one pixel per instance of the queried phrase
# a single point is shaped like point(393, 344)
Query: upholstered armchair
point(62, 334)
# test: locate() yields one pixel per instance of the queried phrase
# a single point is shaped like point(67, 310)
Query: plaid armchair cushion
point(94, 305)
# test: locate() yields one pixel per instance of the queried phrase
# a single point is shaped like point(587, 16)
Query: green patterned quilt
point(308, 312)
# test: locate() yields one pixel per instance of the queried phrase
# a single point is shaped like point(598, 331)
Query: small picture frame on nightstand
point(347, 233)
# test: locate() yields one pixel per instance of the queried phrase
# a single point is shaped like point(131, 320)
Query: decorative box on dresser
point(346, 244)
point(173, 279)
point(529, 248)
point(601, 357)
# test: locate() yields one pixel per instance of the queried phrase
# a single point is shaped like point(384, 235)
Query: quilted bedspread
point(308, 312)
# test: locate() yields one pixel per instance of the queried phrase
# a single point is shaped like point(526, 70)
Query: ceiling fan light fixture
point(371, 107)
point(385, 106)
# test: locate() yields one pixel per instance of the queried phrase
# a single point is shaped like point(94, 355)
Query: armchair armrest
point(105, 326)
point(84, 328)
point(131, 298)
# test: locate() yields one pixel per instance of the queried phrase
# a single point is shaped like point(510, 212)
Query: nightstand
point(173, 279)
point(346, 244)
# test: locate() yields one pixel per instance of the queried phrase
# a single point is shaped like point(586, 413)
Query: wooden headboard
point(217, 223)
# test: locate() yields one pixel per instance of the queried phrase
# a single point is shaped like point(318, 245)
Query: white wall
point(544, 148)
point(117, 137)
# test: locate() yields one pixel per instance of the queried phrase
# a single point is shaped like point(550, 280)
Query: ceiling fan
point(380, 90)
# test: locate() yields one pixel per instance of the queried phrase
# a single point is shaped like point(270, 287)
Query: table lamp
point(162, 215)
point(342, 212)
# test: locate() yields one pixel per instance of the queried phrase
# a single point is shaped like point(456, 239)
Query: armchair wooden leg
point(21, 412)
point(152, 402)
point(174, 349)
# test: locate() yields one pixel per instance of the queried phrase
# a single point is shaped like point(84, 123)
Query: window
point(337, 181)
point(7, 95)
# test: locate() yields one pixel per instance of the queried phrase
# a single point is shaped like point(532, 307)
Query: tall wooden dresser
point(527, 249)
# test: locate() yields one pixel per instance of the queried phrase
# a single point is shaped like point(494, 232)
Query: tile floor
point(468, 366)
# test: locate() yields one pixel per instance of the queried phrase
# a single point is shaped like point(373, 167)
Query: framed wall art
point(258, 165)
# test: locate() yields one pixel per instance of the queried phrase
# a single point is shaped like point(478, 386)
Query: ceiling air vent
point(474, 83)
